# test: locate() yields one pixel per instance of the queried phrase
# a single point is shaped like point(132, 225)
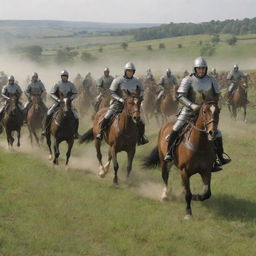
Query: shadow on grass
point(232, 208)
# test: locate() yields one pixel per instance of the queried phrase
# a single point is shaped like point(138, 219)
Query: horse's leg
point(115, 164)
point(165, 177)
point(9, 138)
point(18, 135)
point(206, 177)
point(30, 134)
point(49, 143)
point(35, 135)
point(70, 145)
point(97, 144)
point(107, 165)
point(130, 155)
point(56, 152)
point(245, 113)
point(188, 194)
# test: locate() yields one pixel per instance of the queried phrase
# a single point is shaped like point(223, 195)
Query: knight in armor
point(34, 88)
point(234, 76)
point(149, 75)
point(214, 73)
point(191, 94)
point(66, 88)
point(166, 83)
point(87, 82)
point(118, 88)
point(103, 86)
point(10, 90)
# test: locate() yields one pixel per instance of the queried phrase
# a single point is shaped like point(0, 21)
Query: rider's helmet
point(64, 73)
point(35, 75)
point(200, 62)
point(168, 72)
point(11, 78)
point(236, 67)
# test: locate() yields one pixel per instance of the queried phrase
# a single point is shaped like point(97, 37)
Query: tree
point(34, 52)
point(100, 49)
point(149, 47)
point(207, 50)
point(65, 56)
point(215, 38)
point(124, 45)
point(161, 46)
point(232, 40)
point(87, 57)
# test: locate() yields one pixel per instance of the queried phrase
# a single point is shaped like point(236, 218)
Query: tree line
point(235, 27)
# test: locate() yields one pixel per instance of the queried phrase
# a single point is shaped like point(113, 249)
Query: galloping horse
point(12, 120)
point(62, 129)
point(149, 102)
point(169, 104)
point(35, 117)
point(194, 154)
point(239, 98)
point(121, 135)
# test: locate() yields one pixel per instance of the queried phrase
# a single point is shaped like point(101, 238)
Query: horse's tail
point(86, 137)
point(152, 160)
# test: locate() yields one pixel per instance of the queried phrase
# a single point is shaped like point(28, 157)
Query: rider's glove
point(195, 107)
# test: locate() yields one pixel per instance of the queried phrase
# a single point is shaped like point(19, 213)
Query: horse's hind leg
point(56, 152)
point(206, 177)
point(115, 165)
point(130, 155)
point(49, 144)
point(97, 144)
point(165, 177)
point(18, 135)
point(70, 145)
point(107, 165)
point(188, 194)
point(245, 114)
point(30, 134)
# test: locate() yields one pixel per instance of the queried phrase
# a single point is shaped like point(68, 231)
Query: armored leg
point(172, 138)
point(104, 124)
point(1, 113)
point(48, 119)
point(142, 138)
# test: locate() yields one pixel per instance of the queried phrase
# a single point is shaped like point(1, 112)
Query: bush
point(207, 50)
point(124, 45)
point(64, 56)
point(161, 46)
point(149, 47)
point(100, 49)
point(232, 40)
point(34, 52)
point(87, 57)
point(215, 39)
point(180, 46)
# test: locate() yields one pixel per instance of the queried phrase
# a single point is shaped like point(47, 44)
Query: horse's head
point(36, 102)
point(11, 106)
point(65, 103)
point(132, 106)
point(209, 116)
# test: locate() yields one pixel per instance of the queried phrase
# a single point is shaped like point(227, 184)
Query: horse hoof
point(50, 157)
point(102, 174)
point(187, 217)
point(165, 198)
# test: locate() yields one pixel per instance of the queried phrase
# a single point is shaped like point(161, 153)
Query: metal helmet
point(34, 75)
point(236, 67)
point(213, 70)
point(149, 70)
point(64, 73)
point(106, 69)
point(200, 62)
point(129, 65)
point(11, 78)
point(168, 71)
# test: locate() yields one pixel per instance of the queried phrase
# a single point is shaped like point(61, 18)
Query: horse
point(239, 99)
point(194, 154)
point(149, 102)
point(84, 101)
point(12, 120)
point(169, 104)
point(121, 135)
point(36, 115)
point(62, 129)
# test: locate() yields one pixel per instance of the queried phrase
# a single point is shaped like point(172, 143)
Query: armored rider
point(66, 88)
point(117, 89)
point(190, 94)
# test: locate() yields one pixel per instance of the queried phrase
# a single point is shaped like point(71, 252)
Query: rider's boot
point(173, 136)
point(46, 125)
point(103, 128)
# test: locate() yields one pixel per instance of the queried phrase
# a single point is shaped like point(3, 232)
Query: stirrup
point(225, 159)
point(143, 140)
point(216, 167)
point(168, 156)
point(99, 136)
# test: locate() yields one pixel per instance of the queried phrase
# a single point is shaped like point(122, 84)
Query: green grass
point(48, 211)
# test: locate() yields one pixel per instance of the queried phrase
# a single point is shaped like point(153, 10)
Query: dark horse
point(194, 154)
point(35, 117)
point(169, 104)
point(62, 129)
point(239, 98)
point(12, 120)
point(121, 135)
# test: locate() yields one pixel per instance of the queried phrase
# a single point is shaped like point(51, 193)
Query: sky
point(128, 11)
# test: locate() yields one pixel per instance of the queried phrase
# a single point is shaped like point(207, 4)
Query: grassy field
point(50, 211)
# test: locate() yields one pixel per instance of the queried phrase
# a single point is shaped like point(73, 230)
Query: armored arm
point(53, 93)
point(74, 92)
point(114, 88)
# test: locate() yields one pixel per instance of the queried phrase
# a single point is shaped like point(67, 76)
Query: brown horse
point(169, 104)
point(121, 135)
point(239, 99)
point(62, 129)
point(12, 120)
point(149, 102)
point(35, 117)
point(194, 154)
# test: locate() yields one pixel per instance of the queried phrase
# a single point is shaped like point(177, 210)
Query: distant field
point(48, 211)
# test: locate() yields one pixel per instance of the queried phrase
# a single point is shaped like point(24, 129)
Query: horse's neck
point(125, 121)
